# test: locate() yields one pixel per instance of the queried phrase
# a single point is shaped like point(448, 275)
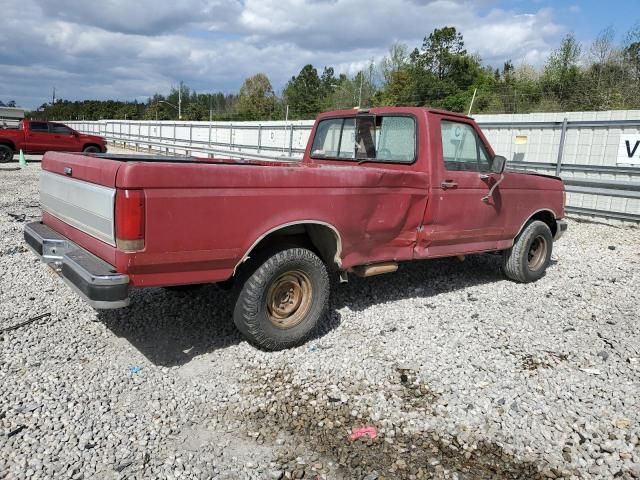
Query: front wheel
point(282, 299)
point(529, 257)
point(91, 149)
point(6, 153)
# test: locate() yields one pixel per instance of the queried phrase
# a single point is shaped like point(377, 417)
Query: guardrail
point(597, 186)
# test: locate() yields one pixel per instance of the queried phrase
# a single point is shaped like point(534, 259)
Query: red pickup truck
point(374, 188)
point(33, 136)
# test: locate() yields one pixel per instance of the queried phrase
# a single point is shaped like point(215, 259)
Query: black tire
point(281, 298)
point(91, 149)
point(6, 153)
point(529, 257)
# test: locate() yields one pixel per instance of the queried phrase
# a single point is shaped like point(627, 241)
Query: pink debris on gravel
point(371, 432)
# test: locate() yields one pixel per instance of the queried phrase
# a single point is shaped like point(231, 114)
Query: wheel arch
point(545, 215)
point(91, 144)
point(9, 144)
point(322, 235)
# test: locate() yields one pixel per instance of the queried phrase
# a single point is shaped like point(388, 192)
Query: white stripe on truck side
point(83, 205)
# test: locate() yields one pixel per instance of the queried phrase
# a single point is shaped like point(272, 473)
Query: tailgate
point(80, 191)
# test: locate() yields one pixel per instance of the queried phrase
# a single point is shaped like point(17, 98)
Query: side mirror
point(498, 164)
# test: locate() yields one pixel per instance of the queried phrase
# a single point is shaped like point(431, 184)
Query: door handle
point(448, 184)
point(485, 176)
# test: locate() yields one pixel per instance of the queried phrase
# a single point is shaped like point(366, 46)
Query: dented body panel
point(204, 217)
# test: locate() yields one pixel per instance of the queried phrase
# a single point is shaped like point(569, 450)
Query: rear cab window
point(462, 150)
point(42, 127)
point(377, 138)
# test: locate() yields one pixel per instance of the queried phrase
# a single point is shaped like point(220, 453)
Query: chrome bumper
point(562, 227)
point(95, 280)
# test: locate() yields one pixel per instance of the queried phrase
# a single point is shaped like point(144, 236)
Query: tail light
point(130, 219)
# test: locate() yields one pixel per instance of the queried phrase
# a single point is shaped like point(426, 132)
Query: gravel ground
point(461, 373)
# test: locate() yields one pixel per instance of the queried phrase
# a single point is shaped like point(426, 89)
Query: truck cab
point(469, 202)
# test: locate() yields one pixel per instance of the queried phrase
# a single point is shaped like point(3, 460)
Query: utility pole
point(210, 108)
point(472, 99)
point(360, 95)
point(180, 101)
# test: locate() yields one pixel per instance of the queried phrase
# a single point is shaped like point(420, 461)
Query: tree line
point(439, 73)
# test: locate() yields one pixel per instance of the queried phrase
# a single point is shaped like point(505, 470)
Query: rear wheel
point(282, 298)
point(91, 149)
point(6, 153)
point(529, 257)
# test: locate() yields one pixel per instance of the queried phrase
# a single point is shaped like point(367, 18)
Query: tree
point(328, 81)
point(631, 54)
point(303, 93)
point(399, 89)
point(441, 50)
point(256, 100)
point(396, 60)
point(562, 75)
point(440, 74)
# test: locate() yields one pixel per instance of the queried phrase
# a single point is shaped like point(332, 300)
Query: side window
point(326, 143)
point(41, 127)
point(59, 129)
point(461, 149)
point(366, 137)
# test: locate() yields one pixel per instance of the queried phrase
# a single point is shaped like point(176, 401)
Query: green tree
point(441, 51)
point(303, 93)
point(257, 99)
point(562, 77)
point(396, 60)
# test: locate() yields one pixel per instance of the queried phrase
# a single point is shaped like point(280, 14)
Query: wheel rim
point(289, 299)
point(537, 253)
point(5, 155)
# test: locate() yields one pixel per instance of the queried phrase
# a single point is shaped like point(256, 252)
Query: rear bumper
point(562, 228)
point(93, 279)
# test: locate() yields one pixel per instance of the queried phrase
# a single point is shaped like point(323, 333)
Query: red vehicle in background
point(374, 188)
point(35, 136)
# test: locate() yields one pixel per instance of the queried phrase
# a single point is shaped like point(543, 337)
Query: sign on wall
point(629, 149)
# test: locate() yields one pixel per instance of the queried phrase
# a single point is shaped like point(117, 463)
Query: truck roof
point(382, 110)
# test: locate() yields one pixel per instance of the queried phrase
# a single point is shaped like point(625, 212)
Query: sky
point(131, 49)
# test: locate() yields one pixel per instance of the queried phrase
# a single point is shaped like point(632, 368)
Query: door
point(37, 137)
point(371, 188)
point(63, 138)
point(463, 219)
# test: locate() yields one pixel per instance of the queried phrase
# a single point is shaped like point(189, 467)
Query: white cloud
point(122, 49)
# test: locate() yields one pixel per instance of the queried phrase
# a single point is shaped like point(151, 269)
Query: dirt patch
point(323, 423)
point(546, 359)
